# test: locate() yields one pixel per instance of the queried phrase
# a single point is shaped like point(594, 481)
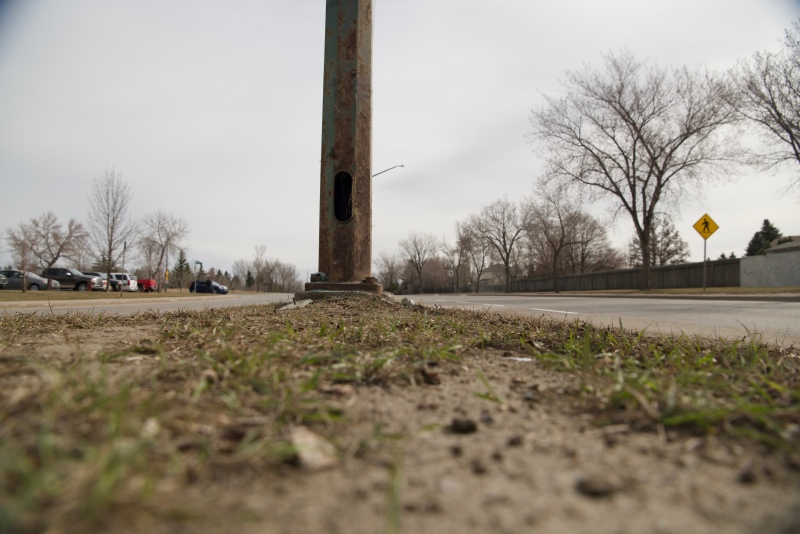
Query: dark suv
point(209, 286)
point(72, 278)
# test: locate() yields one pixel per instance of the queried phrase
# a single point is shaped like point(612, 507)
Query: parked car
point(3, 281)
point(126, 280)
point(209, 286)
point(35, 282)
point(104, 285)
point(72, 278)
point(147, 285)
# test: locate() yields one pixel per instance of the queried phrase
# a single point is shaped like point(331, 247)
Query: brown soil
point(445, 455)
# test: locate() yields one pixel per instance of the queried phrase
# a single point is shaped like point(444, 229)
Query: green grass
point(85, 439)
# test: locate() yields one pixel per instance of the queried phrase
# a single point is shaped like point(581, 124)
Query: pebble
point(478, 467)
point(314, 453)
point(748, 475)
point(209, 376)
point(486, 417)
point(463, 426)
point(407, 302)
point(594, 486)
point(514, 441)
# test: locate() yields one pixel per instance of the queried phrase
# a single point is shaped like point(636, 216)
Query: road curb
point(742, 298)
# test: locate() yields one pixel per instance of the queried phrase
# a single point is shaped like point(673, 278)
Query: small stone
point(296, 304)
point(150, 428)
point(456, 451)
point(463, 425)
point(486, 417)
point(595, 486)
point(514, 441)
point(748, 475)
point(478, 467)
point(314, 453)
point(429, 377)
point(209, 376)
point(407, 302)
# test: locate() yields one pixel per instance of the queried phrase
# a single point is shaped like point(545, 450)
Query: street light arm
point(386, 170)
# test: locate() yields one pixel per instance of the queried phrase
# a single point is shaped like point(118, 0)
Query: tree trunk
point(555, 272)
point(644, 239)
point(508, 277)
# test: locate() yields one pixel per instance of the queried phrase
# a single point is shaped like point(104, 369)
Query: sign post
point(705, 227)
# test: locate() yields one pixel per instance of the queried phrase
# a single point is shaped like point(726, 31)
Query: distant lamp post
point(196, 263)
point(449, 271)
point(387, 170)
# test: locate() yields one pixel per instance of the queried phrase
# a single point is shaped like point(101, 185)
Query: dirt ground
point(491, 442)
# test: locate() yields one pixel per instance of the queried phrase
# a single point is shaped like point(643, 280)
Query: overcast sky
point(212, 110)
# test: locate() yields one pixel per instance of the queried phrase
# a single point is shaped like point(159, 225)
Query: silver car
point(34, 281)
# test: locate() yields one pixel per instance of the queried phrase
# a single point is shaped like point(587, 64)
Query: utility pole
point(345, 223)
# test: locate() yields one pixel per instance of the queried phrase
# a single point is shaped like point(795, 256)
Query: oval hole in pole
point(343, 196)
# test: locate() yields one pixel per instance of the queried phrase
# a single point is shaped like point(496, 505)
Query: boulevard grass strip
point(11, 295)
point(212, 394)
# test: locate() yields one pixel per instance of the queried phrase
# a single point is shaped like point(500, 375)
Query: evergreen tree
point(249, 280)
point(666, 245)
point(762, 239)
point(181, 271)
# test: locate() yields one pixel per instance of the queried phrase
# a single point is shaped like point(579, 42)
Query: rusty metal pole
point(345, 221)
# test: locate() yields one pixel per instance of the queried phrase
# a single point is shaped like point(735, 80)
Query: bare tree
point(388, 268)
point(418, 249)
point(592, 251)
point(502, 224)
point(240, 268)
point(769, 96)
point(51, 241)
point(638, 134)
point(666, 244)
point(259, 265)
point(110, 223)
point(163, 234)
point(19, 240)
point(554, 216)
point(287, 277)
point(456, 253)
point(478, 248)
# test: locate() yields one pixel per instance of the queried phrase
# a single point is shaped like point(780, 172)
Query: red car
point(147, 285)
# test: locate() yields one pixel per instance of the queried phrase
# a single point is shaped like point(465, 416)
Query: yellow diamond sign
point(706, 226)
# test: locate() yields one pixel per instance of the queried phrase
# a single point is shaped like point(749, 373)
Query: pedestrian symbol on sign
point(706, 226)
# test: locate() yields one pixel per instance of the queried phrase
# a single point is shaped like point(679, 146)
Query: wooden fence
point(720, 273)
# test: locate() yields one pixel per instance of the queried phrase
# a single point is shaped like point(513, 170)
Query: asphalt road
point(776, 322)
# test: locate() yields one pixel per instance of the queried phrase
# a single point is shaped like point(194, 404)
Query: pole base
point(370, 285)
